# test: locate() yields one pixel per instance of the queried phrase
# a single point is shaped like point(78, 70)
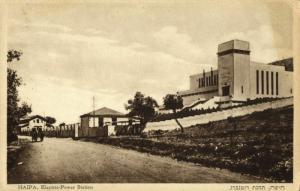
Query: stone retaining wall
point(217, 116)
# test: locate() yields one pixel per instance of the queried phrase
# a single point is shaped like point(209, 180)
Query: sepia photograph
point(149, 92)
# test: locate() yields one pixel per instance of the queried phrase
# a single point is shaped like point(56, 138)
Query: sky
point(74, 51)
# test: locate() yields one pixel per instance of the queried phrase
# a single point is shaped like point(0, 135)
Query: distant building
point(31, 122)
point(238, 79)
point(102, 122)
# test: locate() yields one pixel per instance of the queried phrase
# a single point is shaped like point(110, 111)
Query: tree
point(62, 124)
point(142, 107)
point(174, 102)
point(50, 120)
point(13, 54)
point(14, 111)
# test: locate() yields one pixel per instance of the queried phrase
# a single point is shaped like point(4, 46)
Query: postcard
point(143, 95)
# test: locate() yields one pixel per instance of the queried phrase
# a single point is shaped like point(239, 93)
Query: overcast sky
point(72, 52)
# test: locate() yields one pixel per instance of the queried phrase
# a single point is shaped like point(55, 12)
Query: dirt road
point(67, 161)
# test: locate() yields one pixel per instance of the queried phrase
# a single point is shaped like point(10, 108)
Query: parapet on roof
point(236, 44)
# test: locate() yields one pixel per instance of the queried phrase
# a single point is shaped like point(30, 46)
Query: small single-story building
point(102, 122)
point(28, 123)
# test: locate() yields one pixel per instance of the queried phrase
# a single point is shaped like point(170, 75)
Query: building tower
point(234, 69)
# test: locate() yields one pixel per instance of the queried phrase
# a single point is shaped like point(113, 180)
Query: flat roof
point(234, 45)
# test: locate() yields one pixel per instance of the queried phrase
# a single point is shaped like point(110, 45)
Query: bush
point(282, 170)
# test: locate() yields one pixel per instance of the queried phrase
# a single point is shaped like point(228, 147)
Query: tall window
point(215, 79)
point(206, 81)
point(199, 83)
point(93, 122)
point(262, 82)
point(272, 83)
point(114, 121)
point(257, 82)
point(277, 83)
point(267, 82)
point(242, 89)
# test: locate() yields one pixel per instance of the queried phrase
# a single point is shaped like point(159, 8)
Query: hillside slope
point(260, 144)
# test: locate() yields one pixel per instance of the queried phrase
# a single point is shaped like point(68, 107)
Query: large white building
point(239, 79)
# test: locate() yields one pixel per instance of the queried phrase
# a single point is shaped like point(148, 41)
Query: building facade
point(102, 122)
point(31, 122)
point(239, 79)
point(203, 86)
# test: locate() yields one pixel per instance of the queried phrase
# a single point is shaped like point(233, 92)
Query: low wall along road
point(217, 116)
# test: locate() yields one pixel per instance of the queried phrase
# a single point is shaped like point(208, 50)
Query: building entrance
point(225, 90)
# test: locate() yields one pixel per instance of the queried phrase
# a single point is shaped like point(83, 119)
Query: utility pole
point(93, 111)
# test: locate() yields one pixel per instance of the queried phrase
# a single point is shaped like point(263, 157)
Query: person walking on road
point(34, 135)
point(41, 134)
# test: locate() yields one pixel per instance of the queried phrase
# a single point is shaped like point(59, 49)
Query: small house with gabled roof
point(28, 123)
point(102, 122)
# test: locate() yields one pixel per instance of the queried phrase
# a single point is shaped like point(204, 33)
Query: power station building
point(239, 79)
